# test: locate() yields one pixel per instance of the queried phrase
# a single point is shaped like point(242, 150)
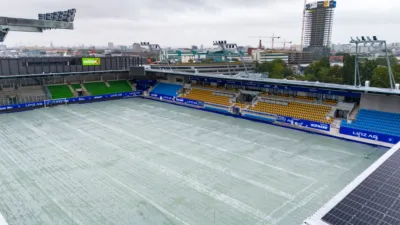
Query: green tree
point(348, 69)
point(367, 68)
point(380, 77)
point(190, 61)
point(381, 61)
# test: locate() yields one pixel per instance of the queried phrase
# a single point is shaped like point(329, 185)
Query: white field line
point(307, 199)
point(290, 201)
point(154, 204)
point(318, 161)
point(194, 184)
point(208, 164)
point(59, 205)
point(301, 204)
point(218, 122)
point(229, 152)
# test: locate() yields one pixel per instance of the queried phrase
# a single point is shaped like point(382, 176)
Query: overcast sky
point(181, 23)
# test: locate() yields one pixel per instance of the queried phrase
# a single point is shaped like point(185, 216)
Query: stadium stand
point(167, 89)
point(207, 96)
point(100, 88)
point(76, 86)
point(120, 86)
point(31, 94)
point(96, 88)
point(241, 105)
point(306, 98)
point(376, 121)
point(60, 91)
point(296, 110)
point(330, 102)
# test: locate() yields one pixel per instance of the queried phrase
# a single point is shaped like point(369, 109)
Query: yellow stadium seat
point(296, 110)
point(208, 96)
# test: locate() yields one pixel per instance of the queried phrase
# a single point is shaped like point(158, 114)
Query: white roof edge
point(2, 220)
point(315, 219)
point(287, 82)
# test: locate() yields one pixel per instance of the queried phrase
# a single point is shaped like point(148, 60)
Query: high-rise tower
point(318, 21)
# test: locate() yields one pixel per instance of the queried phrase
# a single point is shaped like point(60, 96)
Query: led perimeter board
point(91, 62)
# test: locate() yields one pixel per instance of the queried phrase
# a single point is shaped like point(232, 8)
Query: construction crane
point(284, 42)
point(273, 37)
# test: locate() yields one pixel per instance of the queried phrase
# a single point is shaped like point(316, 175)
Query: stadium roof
point(238, 78)
point(287, 82)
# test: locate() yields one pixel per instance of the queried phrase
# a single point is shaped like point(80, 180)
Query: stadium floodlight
point(225, 45)
point(157, 47)
point(367, 40)
point(66, 16)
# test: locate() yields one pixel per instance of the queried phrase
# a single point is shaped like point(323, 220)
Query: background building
point(265, 56)
point(136, 47)
point(317, 32)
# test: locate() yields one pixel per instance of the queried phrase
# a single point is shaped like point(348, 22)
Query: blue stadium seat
point(167, 89)
point(376, 121)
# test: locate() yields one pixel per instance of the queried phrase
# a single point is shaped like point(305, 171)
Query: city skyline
point(198, 22)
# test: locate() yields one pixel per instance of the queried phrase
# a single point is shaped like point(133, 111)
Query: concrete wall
point(380, 102)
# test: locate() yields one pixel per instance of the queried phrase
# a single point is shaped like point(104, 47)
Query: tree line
point(374, 70)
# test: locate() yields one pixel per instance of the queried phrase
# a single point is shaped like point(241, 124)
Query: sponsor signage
point(369, 135)
point(304, 123)
point(91, 62)
point(313, 5)
point(66, 100)
point(189, 101)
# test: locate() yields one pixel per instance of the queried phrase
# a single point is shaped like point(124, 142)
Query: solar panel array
point(375, 201)
point(66, 16)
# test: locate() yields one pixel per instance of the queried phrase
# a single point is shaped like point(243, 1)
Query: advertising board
point(69, 100)
point(304, 123)
point(369, 135)
point(91, 62)
point(313, 5)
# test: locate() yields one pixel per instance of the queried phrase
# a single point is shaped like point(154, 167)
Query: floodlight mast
point(156, 47)
point(365, 41)
point(224, 45)
point(47, 21)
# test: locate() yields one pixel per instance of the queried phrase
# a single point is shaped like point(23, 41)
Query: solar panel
point(375, 201)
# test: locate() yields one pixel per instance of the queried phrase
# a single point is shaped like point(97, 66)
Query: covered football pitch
point(137, 161)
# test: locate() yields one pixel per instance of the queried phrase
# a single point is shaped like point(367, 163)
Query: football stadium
point(110, 140)
point(181, 148)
